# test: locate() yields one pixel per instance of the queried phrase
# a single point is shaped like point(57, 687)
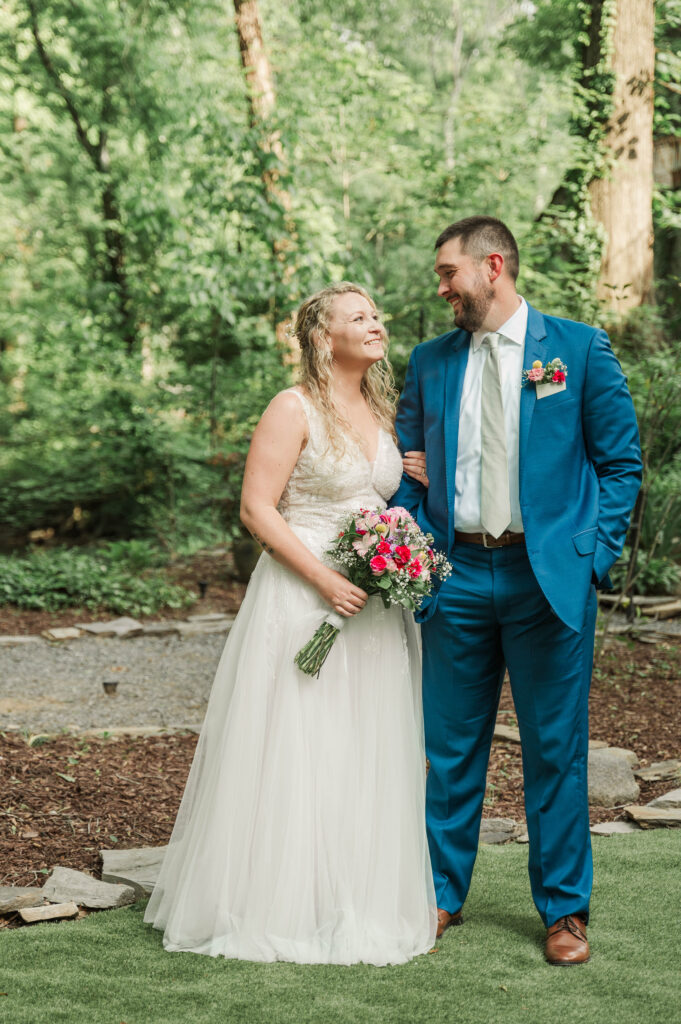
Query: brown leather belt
point(488, 541)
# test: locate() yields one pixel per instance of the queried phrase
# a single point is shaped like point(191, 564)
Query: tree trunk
point(114, 272)
point(457, 81)
point(254, 60)
point(262, 102)
point(621, 201)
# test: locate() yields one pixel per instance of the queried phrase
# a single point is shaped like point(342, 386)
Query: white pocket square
point(545, 390)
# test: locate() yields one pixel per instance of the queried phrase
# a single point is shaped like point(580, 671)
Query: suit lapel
point(455, 368)
point(535, 348)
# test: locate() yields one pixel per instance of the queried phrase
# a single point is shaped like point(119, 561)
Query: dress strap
point(307, 405)
point(311, 414)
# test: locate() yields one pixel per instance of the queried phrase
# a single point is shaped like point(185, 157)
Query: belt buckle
point(484, 541)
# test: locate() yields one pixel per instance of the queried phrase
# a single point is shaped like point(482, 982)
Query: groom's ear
point(495, 264)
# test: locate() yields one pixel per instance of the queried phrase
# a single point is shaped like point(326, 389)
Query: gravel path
point(162, 681)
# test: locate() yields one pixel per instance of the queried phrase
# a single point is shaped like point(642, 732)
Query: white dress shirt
point(468, 460)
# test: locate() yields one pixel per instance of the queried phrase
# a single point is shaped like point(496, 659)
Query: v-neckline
point(372, 462)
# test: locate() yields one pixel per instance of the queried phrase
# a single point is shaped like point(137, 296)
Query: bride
point(301, 832)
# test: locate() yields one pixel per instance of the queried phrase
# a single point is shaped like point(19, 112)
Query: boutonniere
point(549, 379)
point(554, 372)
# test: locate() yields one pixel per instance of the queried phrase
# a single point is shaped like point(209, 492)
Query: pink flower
point(558, 377)
point(362, 546)
point(378, 565)
point(403, 552)
point(415, 569)
point(391, 565)
point(535, 375)
point(383, 548)
point(400, 513)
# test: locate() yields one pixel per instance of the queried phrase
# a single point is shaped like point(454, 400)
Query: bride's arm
point(277, 442)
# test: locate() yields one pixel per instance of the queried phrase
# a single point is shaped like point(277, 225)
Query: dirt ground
point(63, 799)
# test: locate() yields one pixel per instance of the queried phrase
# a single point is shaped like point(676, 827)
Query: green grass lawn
point(110, 968)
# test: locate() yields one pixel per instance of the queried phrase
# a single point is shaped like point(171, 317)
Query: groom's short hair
point(482, 235)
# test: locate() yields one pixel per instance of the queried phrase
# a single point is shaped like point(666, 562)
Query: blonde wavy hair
point(316, 368)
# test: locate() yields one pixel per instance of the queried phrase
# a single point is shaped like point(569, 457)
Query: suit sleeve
point(409, 427)
point(612, 441)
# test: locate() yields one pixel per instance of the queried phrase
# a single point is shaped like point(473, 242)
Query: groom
point(531, 483)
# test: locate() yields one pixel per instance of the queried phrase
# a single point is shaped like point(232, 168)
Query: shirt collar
point(513, 330)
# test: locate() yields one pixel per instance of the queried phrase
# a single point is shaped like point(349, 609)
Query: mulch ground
point(65, 798)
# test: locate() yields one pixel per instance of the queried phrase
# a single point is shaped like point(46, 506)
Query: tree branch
point(52, 72)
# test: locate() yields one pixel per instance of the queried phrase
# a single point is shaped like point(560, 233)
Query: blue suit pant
point(491, 614)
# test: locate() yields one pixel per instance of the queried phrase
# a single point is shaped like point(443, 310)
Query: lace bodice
point(324, 486)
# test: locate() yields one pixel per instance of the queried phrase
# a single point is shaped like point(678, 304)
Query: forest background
point(178, 174)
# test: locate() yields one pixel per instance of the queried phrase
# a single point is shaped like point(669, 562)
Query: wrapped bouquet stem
point(312, 656)
point(384, 552)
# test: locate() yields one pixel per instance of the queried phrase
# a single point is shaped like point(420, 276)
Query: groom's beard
point(474, 307)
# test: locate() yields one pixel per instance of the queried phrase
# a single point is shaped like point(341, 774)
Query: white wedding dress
point(301, 833)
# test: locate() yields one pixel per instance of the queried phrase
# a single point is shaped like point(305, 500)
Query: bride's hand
point(414, 464)
point(343, 596)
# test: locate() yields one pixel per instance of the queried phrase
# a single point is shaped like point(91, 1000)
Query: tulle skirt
point(301, 833)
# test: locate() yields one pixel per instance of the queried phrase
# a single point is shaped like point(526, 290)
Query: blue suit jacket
point(580, 459)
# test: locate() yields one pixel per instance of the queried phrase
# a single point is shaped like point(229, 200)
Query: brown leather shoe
point(566, 941)
point(446, 920)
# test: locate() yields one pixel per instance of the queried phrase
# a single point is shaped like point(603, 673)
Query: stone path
point(163, 678)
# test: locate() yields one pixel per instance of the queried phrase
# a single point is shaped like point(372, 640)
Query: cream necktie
point(495, 502)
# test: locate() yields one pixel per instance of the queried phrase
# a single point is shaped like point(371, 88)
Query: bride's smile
point(356, 333)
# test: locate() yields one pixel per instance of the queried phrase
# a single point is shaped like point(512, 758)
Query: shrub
point(48, 580)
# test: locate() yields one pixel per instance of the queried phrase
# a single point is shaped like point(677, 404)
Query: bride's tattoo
point(263, 544)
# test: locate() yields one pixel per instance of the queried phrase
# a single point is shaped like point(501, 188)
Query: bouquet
point(385, 553)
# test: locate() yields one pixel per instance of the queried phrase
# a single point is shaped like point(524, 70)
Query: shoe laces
point(568, 924)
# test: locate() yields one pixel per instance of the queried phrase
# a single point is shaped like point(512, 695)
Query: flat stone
point(122, 627)
point(495, 838)
point(62, 633)
point(137, 868)
point(116, 732)
point(211, 617)
point(160, 629)
point(524, 837)
point(17, 897)
point(612, 828)
point(8, 640)
point(506, 732)
point(65, 884)
point(51, 912)
point(597, 744)
point(655, 817)
point(629, 756)
point(498, 830)
point(670, 799)
point(204, 628)
point(660, 770)
point(611, 779)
